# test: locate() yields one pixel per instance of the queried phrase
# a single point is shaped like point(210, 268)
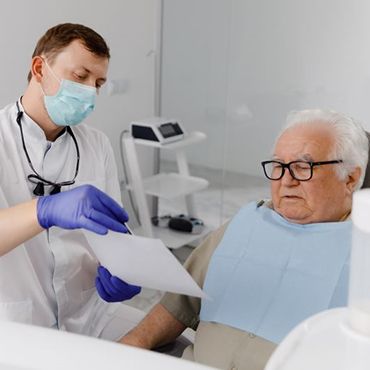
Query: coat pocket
point(20, 311)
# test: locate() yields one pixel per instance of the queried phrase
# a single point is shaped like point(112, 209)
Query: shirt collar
point(33, 131)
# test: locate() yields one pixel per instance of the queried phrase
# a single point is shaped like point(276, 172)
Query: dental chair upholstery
point(177, 347)
point(366, 183)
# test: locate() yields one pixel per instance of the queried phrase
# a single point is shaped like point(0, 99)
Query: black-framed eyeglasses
point(299, 170)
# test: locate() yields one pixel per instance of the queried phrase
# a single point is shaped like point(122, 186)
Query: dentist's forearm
point(18, 224)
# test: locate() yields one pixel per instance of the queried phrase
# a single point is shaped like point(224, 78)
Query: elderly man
point(276, 262)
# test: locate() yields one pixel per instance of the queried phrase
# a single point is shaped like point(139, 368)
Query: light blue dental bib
point(268, 274)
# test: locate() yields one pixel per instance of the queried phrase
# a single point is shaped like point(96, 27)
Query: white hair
point(351, 143)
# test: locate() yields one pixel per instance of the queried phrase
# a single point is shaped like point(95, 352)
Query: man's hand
point(113, 289)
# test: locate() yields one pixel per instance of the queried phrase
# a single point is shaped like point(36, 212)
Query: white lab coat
point(49, 280)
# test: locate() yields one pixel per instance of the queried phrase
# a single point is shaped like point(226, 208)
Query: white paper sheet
point(142, 261)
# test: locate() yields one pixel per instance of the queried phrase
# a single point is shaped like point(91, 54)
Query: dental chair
point(366, 183)
point(177, 347)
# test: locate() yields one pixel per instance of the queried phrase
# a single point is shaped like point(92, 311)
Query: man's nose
point(288, 179)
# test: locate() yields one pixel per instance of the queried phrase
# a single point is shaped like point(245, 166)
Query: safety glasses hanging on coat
point(35, 178)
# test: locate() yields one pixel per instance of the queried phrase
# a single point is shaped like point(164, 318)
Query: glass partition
point(233, 69)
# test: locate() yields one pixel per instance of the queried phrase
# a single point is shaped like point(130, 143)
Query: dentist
point(49, 280)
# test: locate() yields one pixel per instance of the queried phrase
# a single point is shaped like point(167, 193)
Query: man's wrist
point(139, 341)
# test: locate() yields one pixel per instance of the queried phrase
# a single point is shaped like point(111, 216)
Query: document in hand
point(142, 261)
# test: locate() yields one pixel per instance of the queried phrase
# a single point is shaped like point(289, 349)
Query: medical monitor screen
point(167, 130)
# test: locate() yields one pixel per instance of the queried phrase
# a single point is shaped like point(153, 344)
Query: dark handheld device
point(186, 224)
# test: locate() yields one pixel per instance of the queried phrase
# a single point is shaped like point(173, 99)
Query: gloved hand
point(113, 289)
point(82, 207)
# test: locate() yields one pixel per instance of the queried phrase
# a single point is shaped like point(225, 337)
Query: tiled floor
point(219, 202)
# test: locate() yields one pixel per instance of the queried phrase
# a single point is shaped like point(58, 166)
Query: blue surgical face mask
point(72, 103)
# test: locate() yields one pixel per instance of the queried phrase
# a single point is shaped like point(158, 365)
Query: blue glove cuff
point(41, 212)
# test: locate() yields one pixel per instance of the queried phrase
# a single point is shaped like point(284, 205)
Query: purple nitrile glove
point(82, 207)
point(113, 289)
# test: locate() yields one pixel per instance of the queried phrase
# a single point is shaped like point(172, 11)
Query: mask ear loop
point(52, 72)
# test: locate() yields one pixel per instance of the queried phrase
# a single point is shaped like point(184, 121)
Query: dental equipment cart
point(162, 185)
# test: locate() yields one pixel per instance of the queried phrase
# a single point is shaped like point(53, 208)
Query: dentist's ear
point(36, 68)
point(353, 179)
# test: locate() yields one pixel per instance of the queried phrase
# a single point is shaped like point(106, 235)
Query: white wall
point(129, 27)
point(234, 68)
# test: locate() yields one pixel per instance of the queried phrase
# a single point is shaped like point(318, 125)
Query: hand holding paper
point(142, 261)
point(113, 289)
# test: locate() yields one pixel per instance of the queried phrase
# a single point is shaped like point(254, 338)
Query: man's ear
point(36, 68)
point(353, 179)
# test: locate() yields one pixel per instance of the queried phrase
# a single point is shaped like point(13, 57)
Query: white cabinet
point(163, 185)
